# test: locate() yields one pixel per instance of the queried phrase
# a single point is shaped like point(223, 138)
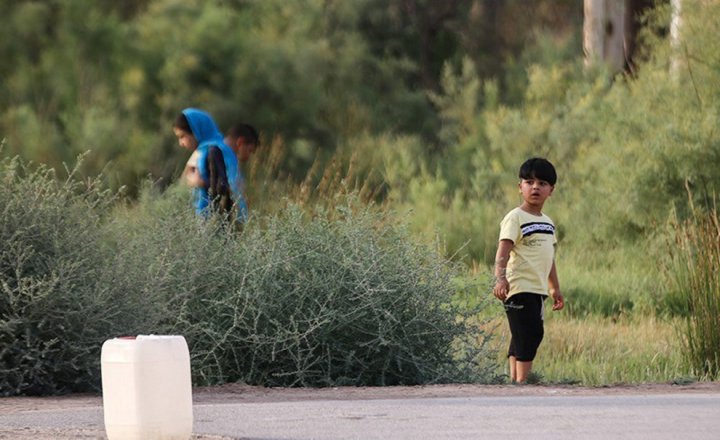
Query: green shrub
point(331, 296)
point(53, 316)
point(340, 297)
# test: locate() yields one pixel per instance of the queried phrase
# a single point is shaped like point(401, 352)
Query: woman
point(215, 176)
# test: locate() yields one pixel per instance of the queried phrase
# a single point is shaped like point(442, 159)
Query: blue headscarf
point(207, 134)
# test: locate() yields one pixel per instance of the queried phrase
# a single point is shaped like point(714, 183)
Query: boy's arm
point(554, 285)
point(502, 286)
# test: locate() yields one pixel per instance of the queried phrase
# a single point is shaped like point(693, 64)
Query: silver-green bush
point(329, 297)
point(343, 296)
point(52, 317)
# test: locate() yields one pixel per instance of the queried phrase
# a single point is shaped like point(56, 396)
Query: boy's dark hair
point(182, 123)
point(538, 168)
point(246, 131)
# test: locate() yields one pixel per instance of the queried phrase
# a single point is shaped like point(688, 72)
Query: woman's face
point(185, 139)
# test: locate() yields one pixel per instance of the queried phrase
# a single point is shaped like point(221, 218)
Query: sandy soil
point(238, 393)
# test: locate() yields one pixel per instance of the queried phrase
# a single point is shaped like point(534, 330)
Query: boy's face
point(241, 146)
point(185, 139)
point(535, 191)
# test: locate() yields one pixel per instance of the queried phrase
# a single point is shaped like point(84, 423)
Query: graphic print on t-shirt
point(537, 228)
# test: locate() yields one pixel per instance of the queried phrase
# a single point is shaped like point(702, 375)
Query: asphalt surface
point(654, 416)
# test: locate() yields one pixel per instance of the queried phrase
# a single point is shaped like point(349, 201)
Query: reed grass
point(695, 272)
point(326, 182)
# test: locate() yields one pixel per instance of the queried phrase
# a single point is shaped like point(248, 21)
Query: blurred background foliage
point(409, 89)
point(110, 76)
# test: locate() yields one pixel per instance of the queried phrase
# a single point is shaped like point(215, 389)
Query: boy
point(525, 266)
point(243, 139)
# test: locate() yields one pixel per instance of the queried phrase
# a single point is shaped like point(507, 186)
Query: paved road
point(659, 416)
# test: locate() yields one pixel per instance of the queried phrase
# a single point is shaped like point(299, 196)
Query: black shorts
point(525, 315)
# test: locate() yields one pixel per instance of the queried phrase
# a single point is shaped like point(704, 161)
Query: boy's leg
point(512, 362)
point(524, 312)
point(523, 370)
point(512, 359)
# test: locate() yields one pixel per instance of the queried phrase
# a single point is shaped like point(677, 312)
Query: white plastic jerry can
point(147, 391)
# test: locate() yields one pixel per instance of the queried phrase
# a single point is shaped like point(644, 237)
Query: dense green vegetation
point(423, 109)
point(110, 77)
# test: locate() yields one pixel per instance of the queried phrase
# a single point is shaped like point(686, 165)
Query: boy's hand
point(501, 289)
point(558, 300)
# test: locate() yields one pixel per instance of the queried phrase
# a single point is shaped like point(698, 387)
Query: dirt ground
point(238, 393)
point(244, 393)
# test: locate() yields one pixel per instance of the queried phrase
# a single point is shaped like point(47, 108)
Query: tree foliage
point(109, 77)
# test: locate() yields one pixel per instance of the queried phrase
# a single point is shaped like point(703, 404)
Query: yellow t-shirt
point(533, 252)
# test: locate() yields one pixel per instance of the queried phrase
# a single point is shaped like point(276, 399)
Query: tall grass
point(617, 325)
point(695, 271)
point(611, 281)
point(594, 350)
point(269, 187)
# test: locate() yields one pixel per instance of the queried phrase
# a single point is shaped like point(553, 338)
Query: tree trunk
point(604, 33)
point(675, 37)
